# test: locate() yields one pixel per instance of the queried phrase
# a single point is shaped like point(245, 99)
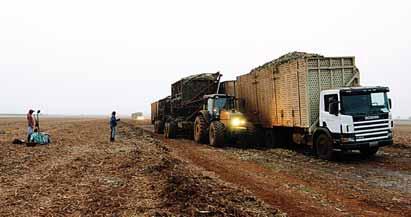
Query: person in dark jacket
point(113, 125)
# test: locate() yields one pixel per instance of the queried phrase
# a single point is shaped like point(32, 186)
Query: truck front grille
point(371, 130)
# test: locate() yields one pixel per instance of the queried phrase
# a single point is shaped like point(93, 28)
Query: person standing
point(31, 123)
point(113, 125)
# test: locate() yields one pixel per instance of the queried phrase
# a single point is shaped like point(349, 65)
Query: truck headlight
point(236, 122)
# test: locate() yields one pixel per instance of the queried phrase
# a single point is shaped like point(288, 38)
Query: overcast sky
point(92, 57)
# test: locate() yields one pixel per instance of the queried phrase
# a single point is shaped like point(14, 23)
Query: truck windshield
point(365, 104)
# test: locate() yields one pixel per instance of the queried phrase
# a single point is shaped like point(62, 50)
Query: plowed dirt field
point(141, 174)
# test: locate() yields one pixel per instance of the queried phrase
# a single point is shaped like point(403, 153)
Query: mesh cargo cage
point(285, 92)
point(187, 93)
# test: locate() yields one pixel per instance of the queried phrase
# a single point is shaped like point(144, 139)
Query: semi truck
point(198, 109)
point(304, 98)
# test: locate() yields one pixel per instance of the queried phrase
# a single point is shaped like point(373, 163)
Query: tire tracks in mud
point(290, 192)
point(190, 191)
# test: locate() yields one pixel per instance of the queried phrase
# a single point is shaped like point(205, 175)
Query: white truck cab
point(355, 118)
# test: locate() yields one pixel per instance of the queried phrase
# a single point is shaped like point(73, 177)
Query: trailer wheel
point(166, 130)
point(368, 152)
point(158, 127)
point(324, 147)
point(170, 130)
point(217, 133)
point(200, 130)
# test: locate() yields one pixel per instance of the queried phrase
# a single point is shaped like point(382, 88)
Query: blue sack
point(40, 138)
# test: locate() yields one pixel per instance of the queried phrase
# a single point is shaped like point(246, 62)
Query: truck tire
point(217, 134)
point(200, 130)
point(170, 130)
point(158, 127)
point(368, 152)
point(324, 147)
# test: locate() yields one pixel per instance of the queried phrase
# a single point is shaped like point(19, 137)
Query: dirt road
point(82, 174)
point(303, 185)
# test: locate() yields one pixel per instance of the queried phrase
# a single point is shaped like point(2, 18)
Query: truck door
point(331, 121)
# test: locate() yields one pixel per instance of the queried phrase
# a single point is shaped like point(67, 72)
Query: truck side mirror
point(390, 102)
point(333, 108)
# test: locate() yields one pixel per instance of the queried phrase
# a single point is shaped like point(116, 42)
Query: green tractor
point(219, 121)
point(195, 110)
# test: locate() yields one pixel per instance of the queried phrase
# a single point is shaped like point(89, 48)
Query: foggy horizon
point(93, 57)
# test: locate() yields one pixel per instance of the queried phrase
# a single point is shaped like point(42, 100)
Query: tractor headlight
point(236, 122)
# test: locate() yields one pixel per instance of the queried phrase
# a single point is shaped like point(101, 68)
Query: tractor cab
point(224, 108)
point(216, 103)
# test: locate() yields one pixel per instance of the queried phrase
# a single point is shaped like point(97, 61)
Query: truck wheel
point(217, 133)
point(158, 127)
point(200, 130)
point(324, 147)
point(170, 130)
point(368, 152)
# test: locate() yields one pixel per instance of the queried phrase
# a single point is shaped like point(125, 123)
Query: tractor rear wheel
point(217, 133)
point(200, 130)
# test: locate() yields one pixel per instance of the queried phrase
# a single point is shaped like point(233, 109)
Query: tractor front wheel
point(217, 133)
